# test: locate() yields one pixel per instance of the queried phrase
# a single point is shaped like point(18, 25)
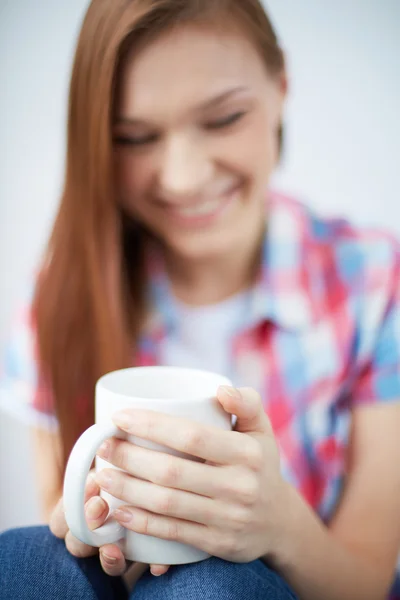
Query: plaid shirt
point(322, 337)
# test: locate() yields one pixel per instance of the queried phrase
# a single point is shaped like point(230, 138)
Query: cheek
point(264, 141)
point(254, 153)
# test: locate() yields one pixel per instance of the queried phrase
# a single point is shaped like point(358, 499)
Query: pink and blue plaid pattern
point(323, 336)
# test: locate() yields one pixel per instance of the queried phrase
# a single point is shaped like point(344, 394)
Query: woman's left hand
point(230, 506)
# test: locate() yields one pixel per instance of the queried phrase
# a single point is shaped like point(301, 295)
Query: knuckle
point(119, 485)
point(173, 531)
point(165, 503)
point(171, 474)
point(251, 394)
point(119, 455)
point(228, 488)
point(239, 519)
point(193, 441)
point(249, 491)
point(148, 525)
point(253, 455)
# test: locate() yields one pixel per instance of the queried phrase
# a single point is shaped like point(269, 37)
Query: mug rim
point(101, 384)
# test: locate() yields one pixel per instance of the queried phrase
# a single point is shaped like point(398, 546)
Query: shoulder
point(355, 257)
point(350, 275)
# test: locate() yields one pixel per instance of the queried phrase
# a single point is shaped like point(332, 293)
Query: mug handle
point(76, 473)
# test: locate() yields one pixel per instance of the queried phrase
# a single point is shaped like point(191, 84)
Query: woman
point(169, 248)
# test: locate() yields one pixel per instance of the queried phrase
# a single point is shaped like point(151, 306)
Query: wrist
point(288, 524)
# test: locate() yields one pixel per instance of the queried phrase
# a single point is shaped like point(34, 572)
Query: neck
point(216, 278)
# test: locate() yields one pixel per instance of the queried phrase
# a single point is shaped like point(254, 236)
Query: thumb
point(246, 404)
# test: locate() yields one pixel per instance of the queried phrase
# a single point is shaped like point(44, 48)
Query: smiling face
point(196, 139)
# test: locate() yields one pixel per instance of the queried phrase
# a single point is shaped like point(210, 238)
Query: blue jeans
point(34, 564)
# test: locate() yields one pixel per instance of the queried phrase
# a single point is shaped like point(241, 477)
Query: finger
point(112, 560)
point(165, 501)
point(168, 528)
point(96, 512)
point(91, 489)
point(189, 437)
point(166, 470)
point(158, 570)
point(58, 525)
point(78, 548)
point(246, 404)
point(220, 482)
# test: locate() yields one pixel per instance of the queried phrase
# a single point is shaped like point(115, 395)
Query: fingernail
point(122, 515)
point(111, 560)
point(104, 450)
point(122, 420)
point(94, 508)
point(155, 574)
point(230, 391)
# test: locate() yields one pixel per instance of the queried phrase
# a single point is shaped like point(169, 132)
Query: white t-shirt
point(203, 338)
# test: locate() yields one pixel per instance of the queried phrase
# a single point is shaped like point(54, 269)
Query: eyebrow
point(222, 97)
point(210, 103)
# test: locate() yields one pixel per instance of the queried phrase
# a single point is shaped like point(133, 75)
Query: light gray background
point(343, 150)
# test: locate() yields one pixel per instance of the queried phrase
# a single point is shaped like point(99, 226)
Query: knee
point(15, 544)
point(33, 563)
point(216, 578)
point(21, 547)
point(239, 581)
point(25, 537)
point(32, 559)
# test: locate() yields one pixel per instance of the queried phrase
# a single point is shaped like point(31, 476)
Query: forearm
point(317, 565)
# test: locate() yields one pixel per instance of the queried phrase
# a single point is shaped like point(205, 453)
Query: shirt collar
point(283, 293)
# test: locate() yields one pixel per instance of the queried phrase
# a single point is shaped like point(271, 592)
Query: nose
point(185, 167)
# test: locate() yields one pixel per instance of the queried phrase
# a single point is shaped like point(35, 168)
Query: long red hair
point(89, 304)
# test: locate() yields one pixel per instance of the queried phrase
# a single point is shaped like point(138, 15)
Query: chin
point(200, 247)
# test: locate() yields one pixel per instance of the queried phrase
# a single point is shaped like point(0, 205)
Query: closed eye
point(121, 140)
point(144, 140)
point(226, 121)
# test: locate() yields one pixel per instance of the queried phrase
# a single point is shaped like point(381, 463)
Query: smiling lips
point(201, 213)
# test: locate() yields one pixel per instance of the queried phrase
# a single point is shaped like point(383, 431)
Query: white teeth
point(205, 208)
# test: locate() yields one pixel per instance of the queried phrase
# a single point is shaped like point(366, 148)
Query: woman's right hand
point(96, 509)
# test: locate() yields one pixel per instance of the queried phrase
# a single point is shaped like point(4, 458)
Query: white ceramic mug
point(188, 393)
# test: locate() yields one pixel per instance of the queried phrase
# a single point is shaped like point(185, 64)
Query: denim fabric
point(35, 565)
point(215, 579)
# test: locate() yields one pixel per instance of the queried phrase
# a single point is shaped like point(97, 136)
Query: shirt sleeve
point(21, 393)
point(379, 377)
